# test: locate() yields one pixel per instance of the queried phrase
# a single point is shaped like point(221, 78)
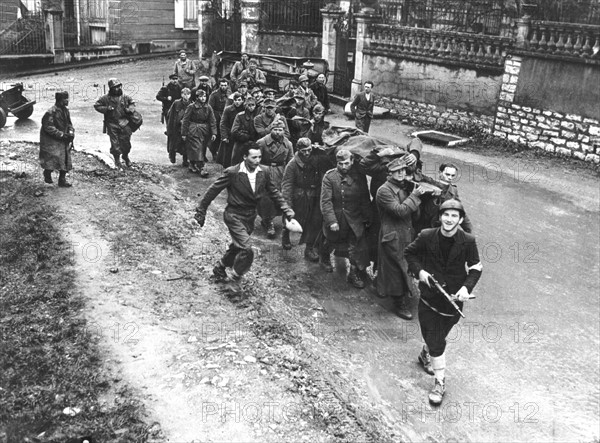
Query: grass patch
point(47, 361)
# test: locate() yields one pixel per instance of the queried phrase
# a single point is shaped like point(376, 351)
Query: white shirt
point(251, 175)
point(368, 96)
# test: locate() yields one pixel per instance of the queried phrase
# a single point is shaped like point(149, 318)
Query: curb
point(86, 64)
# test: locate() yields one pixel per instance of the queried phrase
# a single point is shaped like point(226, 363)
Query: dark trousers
point(363, 123)
point(120, 139)
point(435, 329)
point(239, 254)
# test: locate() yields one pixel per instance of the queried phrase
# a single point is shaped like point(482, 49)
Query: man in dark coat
point(218, 101)
point(301, 188)
point(247, 183)
point(398, 201)
point(56, 135)
point(276, 152)
point(374, 164)
point(243, 130)
point(175, 144)
point(320, 90)
point(198, 129)
point(167, 95)
point(362, 107)
point(345, 206)
point(117, 108)
point(450, 255)
point(227, 119)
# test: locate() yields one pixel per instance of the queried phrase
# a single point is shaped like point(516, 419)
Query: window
point(186, 14)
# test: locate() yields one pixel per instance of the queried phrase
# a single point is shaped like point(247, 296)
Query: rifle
point(442, 291)
point(162, 114)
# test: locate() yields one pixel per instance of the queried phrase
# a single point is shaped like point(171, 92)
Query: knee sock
point(439, 367)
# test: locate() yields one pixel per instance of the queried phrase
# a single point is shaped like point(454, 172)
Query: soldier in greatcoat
point(301, 188)
point(345, 205)
point(243, 130)
point(198, 128)
point(56, 136)
point(276, 152)
point(175, 144)
point(398, 202)
point(168, 94)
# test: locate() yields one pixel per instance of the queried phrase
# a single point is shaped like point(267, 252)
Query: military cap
point(398, 163)
point(243, 83)
point(203, 78)
point(452, 204)
point(303, 78)
point(255, 89)
point(249, 101)
point(173, 77)
point(268, 103)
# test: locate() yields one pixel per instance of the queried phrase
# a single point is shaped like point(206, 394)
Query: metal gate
point(227, 25)
point(345, 54)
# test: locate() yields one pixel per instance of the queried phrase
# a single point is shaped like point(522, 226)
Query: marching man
point(446, 255)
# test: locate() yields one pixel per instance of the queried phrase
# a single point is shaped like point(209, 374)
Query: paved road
point(523, 365)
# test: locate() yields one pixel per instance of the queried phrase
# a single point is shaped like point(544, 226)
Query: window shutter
point(179, 13)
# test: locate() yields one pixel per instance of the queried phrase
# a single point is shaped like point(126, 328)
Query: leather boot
point(127, 161)
point(311, 255)
point(185, 161)
point(354, 279)
point(325, 258)
point(117, 158)
point(402, 309)
point(62, 180)
point(48, 176)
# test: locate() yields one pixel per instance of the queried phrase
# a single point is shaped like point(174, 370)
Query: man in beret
point(276, 152)
point(56, 138)
point(117, 108)
point(168, 94)
point(186, 71)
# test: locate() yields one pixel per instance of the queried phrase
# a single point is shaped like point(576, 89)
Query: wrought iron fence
point(24, 36)
point(574, 11)
point(291, 15)
point(475, 16)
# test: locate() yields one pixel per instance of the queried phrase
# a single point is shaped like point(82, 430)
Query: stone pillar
point(523, 25)
point(250, 20)
point(331, 14)
point(54, 32)
point(363, 19)
point(206, 16)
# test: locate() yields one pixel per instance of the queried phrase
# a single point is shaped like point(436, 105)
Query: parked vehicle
point(13, 101)
point(279, 69)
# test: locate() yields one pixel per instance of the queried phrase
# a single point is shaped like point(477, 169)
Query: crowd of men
point(377, 210)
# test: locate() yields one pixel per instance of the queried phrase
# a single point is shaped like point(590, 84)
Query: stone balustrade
point(459, 47)
point(564, 39)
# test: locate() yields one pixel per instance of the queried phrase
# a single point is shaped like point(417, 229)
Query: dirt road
point(303, 355)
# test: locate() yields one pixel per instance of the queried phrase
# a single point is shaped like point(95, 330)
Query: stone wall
point(427, 114)
point(569, 135)
point(297, 44)
point(451, 87)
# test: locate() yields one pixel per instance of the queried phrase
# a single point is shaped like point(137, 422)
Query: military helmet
point(452, 204)
point(113, 82)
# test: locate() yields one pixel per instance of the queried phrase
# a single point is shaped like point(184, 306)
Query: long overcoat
point(397, 209)
point(174, 119)
point(54, 149)
point(198, 125)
